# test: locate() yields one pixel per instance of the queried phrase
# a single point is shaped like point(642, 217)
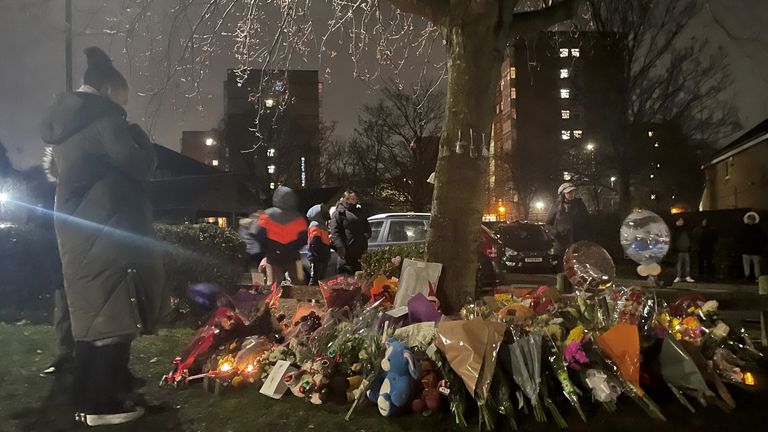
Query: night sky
point(32, 71)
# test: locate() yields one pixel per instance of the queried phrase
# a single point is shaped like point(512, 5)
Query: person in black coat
point(752, 241)
point(681, 243)
point(568, 218)
point(112, 266)
point(705, 240)
point(350, 232)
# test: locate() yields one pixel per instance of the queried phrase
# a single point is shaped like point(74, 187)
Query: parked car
point(391, 229)
point(527, 247)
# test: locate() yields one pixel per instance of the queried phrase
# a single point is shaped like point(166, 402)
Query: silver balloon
point(588, 265)
point(645, 237)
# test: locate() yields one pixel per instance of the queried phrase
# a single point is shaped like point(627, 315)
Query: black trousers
point(706, 263)
point(317, 271)
point(101, 376)
point(349, 265)
point(62, 325)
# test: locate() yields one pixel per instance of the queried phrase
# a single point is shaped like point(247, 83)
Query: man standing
point(752, 242)
point(568, 218)
point(681, 243)
point(350, 232)
point(705, 240)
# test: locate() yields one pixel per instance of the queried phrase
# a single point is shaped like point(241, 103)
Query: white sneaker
point(110, 419)
point(677, 280)
point(689, 279)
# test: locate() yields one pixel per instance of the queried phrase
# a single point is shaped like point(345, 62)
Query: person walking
point(567, 218)
point(705, 240)
point(319, 243)
point(681, 243)
point(111, 265)
point(752, 241)
point(281, 232)
point(350, 232)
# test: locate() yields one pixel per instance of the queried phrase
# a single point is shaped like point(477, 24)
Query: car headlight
point(551, 251)
point(510, 252)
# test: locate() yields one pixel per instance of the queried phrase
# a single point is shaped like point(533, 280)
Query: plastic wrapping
point(680, 371)
point(417, 277)
point(251, 351)
point(339, 292)
point(471, 347)
point(622, 345)
point(525, 363)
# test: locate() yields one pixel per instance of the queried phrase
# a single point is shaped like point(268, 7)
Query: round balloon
point(588, 265)
point(645, 237)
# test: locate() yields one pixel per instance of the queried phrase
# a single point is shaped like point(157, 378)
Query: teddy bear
point(428, 400)
point(392, 390)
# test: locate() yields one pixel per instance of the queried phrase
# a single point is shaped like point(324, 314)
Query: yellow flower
point(576, 334)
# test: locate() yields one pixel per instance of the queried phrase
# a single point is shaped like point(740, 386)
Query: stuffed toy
point(392, 390)
point(428, 401)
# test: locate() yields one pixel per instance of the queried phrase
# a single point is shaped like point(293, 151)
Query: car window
point(524, 237)
point(376, 230)
point(409, 231)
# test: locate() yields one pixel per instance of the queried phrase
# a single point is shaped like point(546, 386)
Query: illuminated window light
point(565, 93)
point(575, 52)
point(653, 196)
point(650, 133)
point(210, 142)
point(512, 93)
point(577, 134)
point(271, 169)
point(565, 134)
point(652, 176)
point(272, 185)
point(563, 52)
point(269, 103)
point(565, 73)
point(565, 114)
point(271, 152)
point(512, 72)
point(215, 162)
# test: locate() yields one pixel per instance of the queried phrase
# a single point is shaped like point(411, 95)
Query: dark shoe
point(127, 414)
point(61, 362)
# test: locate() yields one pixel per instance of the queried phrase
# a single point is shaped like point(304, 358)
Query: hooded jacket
point(350, 232)
point(681, 238)
point(752, 239)
point(318, 238)
point(282, 230)
point(568, 220)
point(111, 264)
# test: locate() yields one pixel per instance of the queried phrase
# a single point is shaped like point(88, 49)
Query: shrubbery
point(30, 269)
point(379, 261)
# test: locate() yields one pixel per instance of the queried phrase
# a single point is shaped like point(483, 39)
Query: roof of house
point(748, 139)
point(174, 164)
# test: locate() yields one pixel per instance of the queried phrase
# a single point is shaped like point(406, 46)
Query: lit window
point(650, 133)
point(498, 108)
point(652, 176)
point(565, 73)
point(653, 196)
point(565, 93)
point(271, 152)
point(565, 134)
point(271, 169)
point(656, 144)
point(563, 52)
point(512, 72)
point(565, 114)
point(512, 93)
point(575, 52)
point(215, 162)
point(210, 142)
point(658, 165)
point(513, 113)
point(269, 103)
point(567, 176)
point(577, 134)
point(272, 185)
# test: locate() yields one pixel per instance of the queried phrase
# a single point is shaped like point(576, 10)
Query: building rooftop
point(746, 140)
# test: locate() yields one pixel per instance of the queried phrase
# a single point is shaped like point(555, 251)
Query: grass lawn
point(29, 402)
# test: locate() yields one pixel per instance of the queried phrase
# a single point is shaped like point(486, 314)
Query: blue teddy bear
point(392, 389)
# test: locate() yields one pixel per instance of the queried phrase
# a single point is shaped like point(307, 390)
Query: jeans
point(754, 260)
point(276, 273)
point(683, 265)
point(317, 271)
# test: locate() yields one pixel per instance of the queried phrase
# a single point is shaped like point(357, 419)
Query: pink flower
point(574, 355)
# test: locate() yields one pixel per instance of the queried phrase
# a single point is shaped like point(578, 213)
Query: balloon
point(645, 238)
point(588, 265)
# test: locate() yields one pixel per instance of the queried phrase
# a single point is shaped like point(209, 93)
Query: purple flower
point(574, 355)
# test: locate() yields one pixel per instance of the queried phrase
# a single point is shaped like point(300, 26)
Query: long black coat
point(568, 222)
point(111, 264)
point(350, 232)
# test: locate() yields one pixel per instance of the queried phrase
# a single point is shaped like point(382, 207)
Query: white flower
point(709, 307)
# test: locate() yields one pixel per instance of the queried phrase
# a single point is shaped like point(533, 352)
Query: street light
point(590, 147)
point(539, 205)
point(210, 142)
point(613, 180)
point(4, 197)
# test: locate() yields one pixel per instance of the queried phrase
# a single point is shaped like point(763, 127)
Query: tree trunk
point(474, 71)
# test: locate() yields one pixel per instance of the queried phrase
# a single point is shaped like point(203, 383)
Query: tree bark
point(474, 71)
